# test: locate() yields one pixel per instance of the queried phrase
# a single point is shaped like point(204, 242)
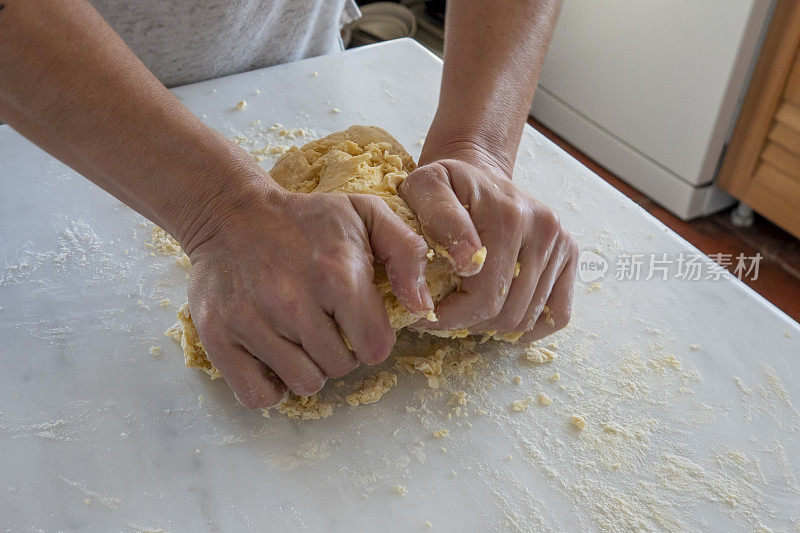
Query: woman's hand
point(466, 200)
point(281, 279)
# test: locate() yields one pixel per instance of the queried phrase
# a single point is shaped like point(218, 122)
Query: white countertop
point(99, 435)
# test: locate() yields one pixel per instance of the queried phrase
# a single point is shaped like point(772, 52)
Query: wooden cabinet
point(762, 164)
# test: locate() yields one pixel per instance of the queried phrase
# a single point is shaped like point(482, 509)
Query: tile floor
point(779, 271)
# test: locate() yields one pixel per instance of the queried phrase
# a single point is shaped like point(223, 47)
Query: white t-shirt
point(183, 41)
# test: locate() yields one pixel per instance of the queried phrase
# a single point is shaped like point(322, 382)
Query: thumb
point(400, 250)
point(445, 221)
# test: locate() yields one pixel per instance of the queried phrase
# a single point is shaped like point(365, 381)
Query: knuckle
point(561, 319)
point(572, 247)
point(548, 223)
point(339, 271)
point(351, 276)
point(491, 308)
point(289, 309)
point(376, 352)
point(508, 322)
point(515, 212)
point(424, 176)
point(371, 202)
point(333, 201)
point(533, 315)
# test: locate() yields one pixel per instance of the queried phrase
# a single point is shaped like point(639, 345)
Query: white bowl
point(387, 20)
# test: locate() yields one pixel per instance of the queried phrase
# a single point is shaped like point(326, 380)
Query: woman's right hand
point(281, 279)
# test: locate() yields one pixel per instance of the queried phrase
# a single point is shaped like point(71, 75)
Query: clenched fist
point(465, 201)
point(284, 281)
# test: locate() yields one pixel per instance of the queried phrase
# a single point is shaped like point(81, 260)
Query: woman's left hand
point(466, 201)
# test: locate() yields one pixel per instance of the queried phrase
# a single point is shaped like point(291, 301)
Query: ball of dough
point(360, 159)
point(364, 160)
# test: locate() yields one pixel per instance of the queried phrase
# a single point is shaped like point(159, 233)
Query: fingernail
point(476, 259)
point(423, 295)
point(426, 300)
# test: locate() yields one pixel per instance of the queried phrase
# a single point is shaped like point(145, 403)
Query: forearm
point(71, 85)
point(493, 54)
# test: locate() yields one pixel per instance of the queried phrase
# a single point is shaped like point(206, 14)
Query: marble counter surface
point(689, 388)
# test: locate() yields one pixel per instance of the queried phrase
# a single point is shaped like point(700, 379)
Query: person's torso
point(183, 41)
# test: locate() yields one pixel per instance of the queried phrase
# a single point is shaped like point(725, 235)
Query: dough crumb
point(741, 385)
point(303, 407)
point(440, 433)
point(400, 489)
point(372, 389)
point(444, 362)
point(660, 364)
point(428, 524)
point(431, 317)
point(241, 106)
point(479, 257)
point(166, 302)
point(458, 397)
point(544, 399)
point(694, 346)
point(164, 244)
point(335, 110)
point(508, 337)
point(314, 74)
point(517, 380)
point(578, 422)
point(548, 314)
point(193, 351)
point(517, 269)
point(594, 286)
point(555, 377)
point(155, 351)
point(537, 355)
point(520, 405)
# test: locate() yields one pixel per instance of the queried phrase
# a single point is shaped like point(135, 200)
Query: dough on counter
point(365, 160)
point(372, 389)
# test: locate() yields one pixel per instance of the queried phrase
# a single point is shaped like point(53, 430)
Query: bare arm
point(71, 86)
point(262, 289)
point(493, 54)
point(463, 192)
